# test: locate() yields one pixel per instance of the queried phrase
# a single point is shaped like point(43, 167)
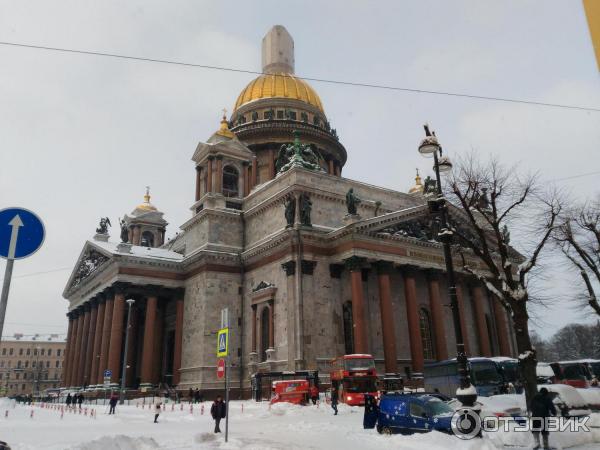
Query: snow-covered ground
point(282, 426)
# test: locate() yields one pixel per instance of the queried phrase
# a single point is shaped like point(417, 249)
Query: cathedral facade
point(311, 265)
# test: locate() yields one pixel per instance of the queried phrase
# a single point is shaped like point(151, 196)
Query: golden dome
point(279, 85)
point(418, 187)
point(147, 206)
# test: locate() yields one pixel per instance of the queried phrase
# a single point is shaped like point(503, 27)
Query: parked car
point(572, 373)
point(511, 406)
point(413, 413)
point(591, 396)
point(544, 373)
point(568, 400)
point(4, 446)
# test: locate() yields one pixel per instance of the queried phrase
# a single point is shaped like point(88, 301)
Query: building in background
point(311, 265)
point(31, 365)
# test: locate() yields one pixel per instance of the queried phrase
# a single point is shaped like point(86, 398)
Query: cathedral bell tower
point(145, 225)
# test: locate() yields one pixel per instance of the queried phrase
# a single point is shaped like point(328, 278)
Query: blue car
point(409, 413)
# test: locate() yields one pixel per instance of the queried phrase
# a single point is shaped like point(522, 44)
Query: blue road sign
point(21, 233)
point(108, 373)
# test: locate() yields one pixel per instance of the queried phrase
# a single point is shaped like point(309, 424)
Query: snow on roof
point(139, 251)
point(502, 358)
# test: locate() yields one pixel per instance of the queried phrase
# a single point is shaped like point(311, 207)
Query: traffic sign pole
point(11, 222)
point(5, 289)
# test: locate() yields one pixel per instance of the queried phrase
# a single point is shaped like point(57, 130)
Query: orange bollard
point(6, 413)
point(242, 408)
point(172, 406)
point(191, 409)
point(31, 415)
point(181, 409)
point(85, 412)
point(202, 409)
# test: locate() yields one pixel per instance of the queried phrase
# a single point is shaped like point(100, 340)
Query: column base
point(270, 354)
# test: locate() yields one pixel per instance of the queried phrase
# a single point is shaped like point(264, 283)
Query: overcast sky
point(81, 136)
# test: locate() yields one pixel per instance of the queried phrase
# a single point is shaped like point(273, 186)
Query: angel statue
point(104, 224)
point(124, 231)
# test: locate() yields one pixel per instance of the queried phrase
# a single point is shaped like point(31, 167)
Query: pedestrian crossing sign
point(222, 342)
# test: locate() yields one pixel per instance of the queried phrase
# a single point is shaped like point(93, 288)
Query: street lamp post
point(130, 303)
point(466, 393)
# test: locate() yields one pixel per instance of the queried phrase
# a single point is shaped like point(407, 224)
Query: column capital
point(289, 267)
point(432, 274)
point(254, 306)
point(307, 267)
point(354, 263)
point(199, 168)
point(384, 267)
point(335, 270)
point(120, 287)
point(210, 157)
point(219, 157)
point(245, 163)
point(409, 270)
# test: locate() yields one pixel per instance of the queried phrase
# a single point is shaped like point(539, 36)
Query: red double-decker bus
point(354, 376)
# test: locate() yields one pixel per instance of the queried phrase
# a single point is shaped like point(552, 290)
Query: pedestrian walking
point(69, 400)
point(80, 400)
point(191, 395)
point(541, 408)
point(334, 399)
point(197, 396)
point(218, 412)
point(114, 398)
point(157, 411)
point(371, 412)
point(314, 394)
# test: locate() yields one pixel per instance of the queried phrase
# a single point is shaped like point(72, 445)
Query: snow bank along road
point(283, 426)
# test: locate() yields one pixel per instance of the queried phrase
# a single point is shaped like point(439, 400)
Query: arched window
point(147, 239)
point(264, 333)
point(230, 181)
point(348, 331)
point(426, 336)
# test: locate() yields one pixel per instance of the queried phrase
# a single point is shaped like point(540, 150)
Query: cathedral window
point(264, 333)
point(147, 239)
point(304, 117)
point(230, 181)
point(280, 114)
point(426, 334)
point(292, 115)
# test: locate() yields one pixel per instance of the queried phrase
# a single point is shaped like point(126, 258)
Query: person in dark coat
point(157, 411)
point(197, 396)
point(114, 398)
point(218, 411)
point(541, 407)
point(191, 395)
point(371, 412)
point(80, 400)
point(334, 399)
point(69, 400)
point(314, 394)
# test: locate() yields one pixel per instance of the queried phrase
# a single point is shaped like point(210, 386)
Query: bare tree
point(578, 238)
point(493, 199)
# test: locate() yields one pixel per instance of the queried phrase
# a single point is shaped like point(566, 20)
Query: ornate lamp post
point(130, 303)
point(429, 146)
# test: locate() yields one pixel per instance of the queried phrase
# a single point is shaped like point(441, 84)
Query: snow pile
point(591, 396)
point(118, 442)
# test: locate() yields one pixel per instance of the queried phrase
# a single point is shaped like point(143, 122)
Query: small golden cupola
point(145, 225)
point(418, 187)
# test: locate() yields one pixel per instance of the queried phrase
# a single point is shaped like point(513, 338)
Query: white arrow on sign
point(15, 223)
